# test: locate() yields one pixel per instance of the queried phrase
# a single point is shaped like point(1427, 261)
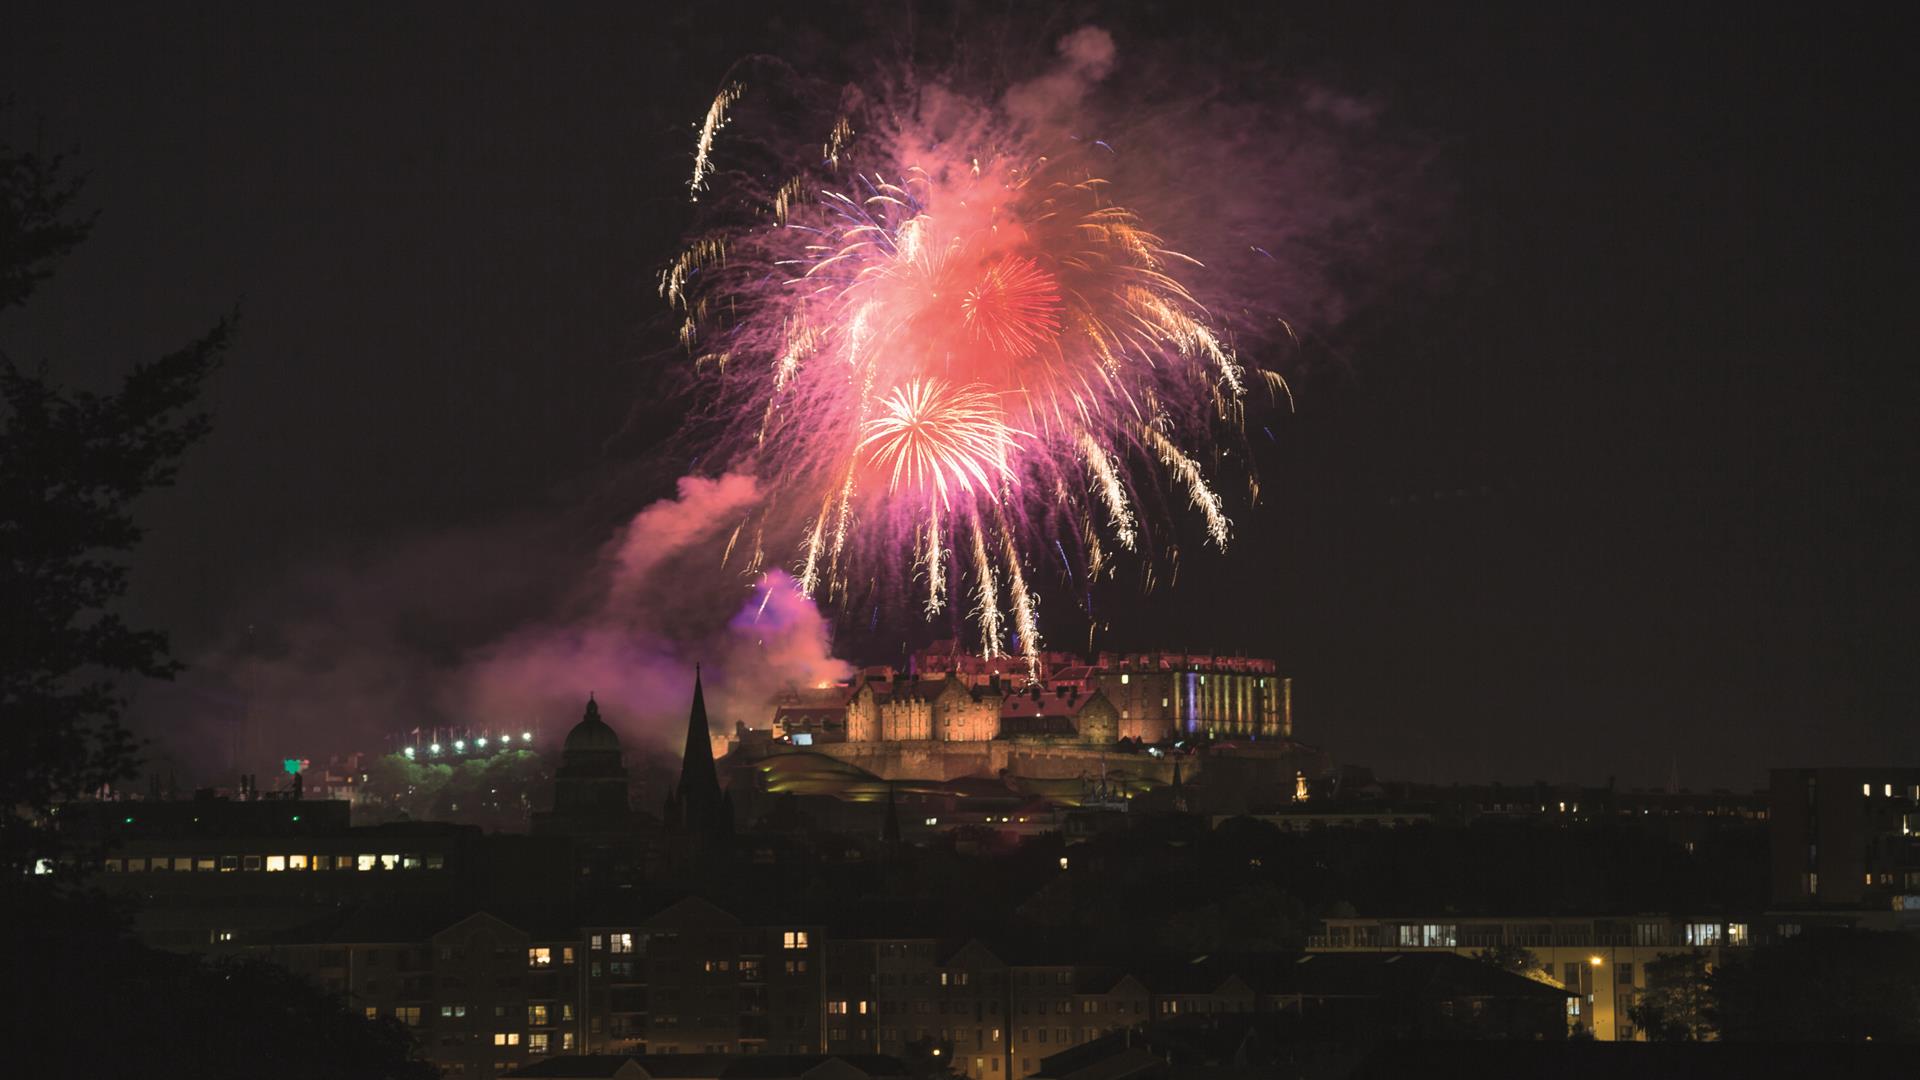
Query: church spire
point(699, 790)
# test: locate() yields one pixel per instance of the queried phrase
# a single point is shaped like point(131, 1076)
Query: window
point(566, 1012)
point(836, 1008)
point(537, 1015)
point(1573, 1006)
point(537, 1043)
point(452, 1010)
point(389, 862)
point(276, 862)
point(506, 1038)
point(794, 939)
point(1866, 789)
point(251, 862)
point(408, 1015)
point(1430, 935)
point(1702, 934)
point(1737, 934)
point(365, 862)
point(566, 955)
point(1810, 883)
point(373, 1013)
point(295, 862)
point(620, 943)
point(540, 957)
point(596, 943)
point(221, 936)
point(323, 862)
point(566, 1041)
point(796, 967)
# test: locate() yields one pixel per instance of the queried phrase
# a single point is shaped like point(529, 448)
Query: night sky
point(1617, 481)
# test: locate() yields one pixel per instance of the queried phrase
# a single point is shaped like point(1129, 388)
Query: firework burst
point(949, 345)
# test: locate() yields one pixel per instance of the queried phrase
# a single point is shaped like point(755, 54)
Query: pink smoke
point(648, 614)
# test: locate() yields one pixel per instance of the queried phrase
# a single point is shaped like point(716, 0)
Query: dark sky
point(1626, 484)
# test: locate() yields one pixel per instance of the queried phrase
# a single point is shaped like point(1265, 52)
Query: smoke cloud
point(1086, 56)
point(647, 616)
point(482, 629)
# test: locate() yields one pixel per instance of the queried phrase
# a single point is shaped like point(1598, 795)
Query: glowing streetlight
point(434, 749)
point(1595, 961)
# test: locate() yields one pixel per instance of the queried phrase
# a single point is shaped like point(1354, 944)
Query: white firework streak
point(1024, 622)
point(936, 563)
point(1204, 497)
point(988, 593)
point(810, 572)
point(716, 119)
point(1111, 490)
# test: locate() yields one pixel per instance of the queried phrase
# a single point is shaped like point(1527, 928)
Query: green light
point(292, 765)
point(129, 821)
point(296, 817)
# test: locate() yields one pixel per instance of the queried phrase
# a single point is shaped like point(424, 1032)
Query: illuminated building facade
point(1600, 961)
point(1846, 837)
point(951, 698)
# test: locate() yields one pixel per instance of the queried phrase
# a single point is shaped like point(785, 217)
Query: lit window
point(537, 1015)
point(1702, 934)
point(795, 939)
point(220, 936)
point(276, 862)
point(389, 862)
point(566, 1012)
point(295, 862)
point(595, 942)
point(1737, 933)
point(836, 1008)
point(366, 862)
point(537, 1043)
point(539, 958)
point(1866, 789)
point(1125, 679)
point(408, 1015)
point(409, 862)
point(620, 943)
point(373, 1013)
point(566, 955)
point(566, 1040)
point(1887, 790)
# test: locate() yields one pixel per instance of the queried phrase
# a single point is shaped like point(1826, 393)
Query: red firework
point(1015, 308)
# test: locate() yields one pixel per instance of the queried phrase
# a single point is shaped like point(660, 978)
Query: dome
point(592, 733)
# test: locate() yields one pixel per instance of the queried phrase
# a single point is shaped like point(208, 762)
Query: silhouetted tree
point(1517, 959)
point(1677, 1004)
point(1824, 985)
point(71, 465)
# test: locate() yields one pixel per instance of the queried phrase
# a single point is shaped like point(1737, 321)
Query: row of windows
point(180, 864)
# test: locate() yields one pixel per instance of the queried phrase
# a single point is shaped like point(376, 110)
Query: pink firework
point(947, 347)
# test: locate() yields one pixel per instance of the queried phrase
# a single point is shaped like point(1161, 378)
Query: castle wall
point(1034, 760)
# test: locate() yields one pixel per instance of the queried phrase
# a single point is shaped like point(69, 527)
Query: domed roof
point(592, 733)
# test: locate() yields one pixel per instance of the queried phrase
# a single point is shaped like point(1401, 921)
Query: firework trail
point(946, 336)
